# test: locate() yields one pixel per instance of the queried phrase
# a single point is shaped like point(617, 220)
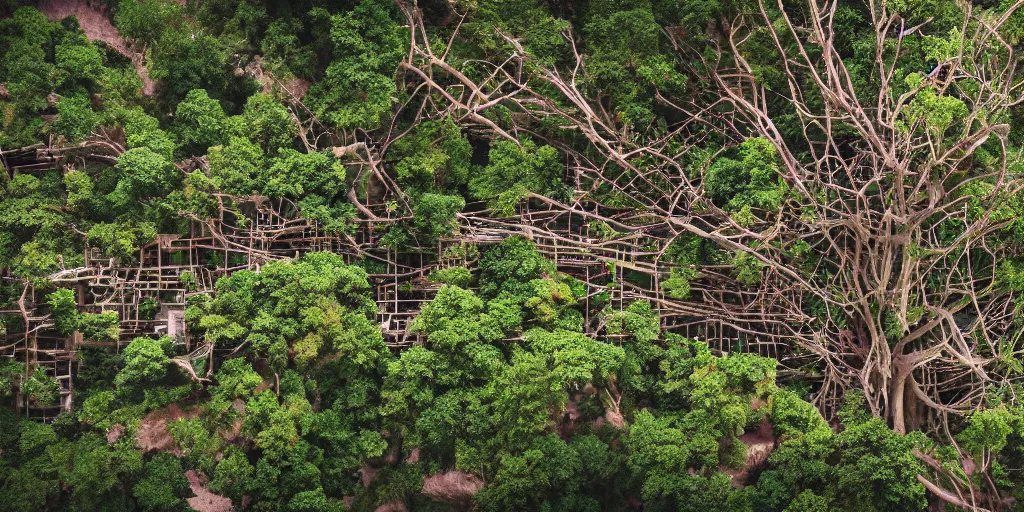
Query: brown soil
point(367, 473)
point(393, 453)
point(414, 456)
point(115, 433)
point(231, 435)
point(152, 434)
point(452, 486)
point(615, 419)
point(296, 87)
point(95, 22)
point(569, 421)
point(205, 500)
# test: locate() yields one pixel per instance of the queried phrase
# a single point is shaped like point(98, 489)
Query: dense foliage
point(835, 185)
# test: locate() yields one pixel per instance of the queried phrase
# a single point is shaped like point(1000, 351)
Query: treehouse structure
point(607, 249)
point(150, 294)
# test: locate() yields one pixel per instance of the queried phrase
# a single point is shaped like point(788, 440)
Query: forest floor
point(95, 22)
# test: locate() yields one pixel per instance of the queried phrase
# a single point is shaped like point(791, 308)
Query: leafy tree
point(190, 58)
point(238, 167)
point(750, 181)
point(75, 118)
point(237, 379)
point(142, 130)
point(27, 74)
point(867, 466)
point(64, 309)
point(163, 485)
point(305, 176)
point(708, 405)
point(281, 43)
point(144, 20)
point(40, 388)
point(513, 171)
point(81, 199)
point(10, 374)
point(509, 267)
point(436, 157)
point(145, 362)
point(435, 215)
point(317, 309)
point(199, 123)
point(358, 85)
point(121, 241)
point(268, 123)
point(198, 444)
point(455, 276)
point(78, 62)
point(144, 174)
point(102, 327)
point(547, 475)
point(627, 53)
point(93, 470)
point(233, 475)
point(878, 470)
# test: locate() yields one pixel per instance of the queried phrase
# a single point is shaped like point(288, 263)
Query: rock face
point(760, 444)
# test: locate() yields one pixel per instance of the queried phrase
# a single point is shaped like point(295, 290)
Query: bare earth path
point(97, 27)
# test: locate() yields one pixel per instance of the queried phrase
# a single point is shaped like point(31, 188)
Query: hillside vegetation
point(447, 255)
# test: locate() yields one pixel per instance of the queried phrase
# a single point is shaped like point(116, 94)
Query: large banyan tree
point(837, 180)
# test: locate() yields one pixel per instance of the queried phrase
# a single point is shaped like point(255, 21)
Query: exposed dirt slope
point(152, 434)
point(205, 500)
point(95, 22)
